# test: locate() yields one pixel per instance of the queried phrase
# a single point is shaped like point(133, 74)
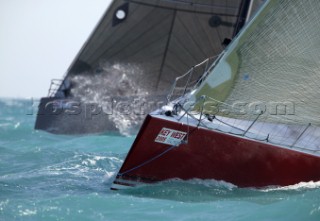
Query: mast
point(245, 10)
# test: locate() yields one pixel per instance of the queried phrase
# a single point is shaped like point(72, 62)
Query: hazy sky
point(39, 39)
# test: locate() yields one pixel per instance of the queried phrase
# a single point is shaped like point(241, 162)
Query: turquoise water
point(51, 177)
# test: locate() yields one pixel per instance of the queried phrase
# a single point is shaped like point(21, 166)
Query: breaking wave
point(298, 187)
point(197, 190)
point(119, 89)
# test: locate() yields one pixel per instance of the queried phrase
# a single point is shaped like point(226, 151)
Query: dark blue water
point(50, 177)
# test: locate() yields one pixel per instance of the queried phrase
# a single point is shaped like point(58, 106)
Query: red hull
point(214, 155)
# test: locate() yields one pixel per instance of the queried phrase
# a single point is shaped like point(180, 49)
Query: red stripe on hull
point(214, 155)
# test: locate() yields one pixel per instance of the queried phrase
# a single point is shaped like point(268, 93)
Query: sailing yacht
point(252, 119)
point(137, 49)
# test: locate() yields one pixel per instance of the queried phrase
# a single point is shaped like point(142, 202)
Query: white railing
point(192, 78)
point(306, 140)
point(55, 86)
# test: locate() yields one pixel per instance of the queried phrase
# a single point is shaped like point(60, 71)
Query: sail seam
point(167, 47)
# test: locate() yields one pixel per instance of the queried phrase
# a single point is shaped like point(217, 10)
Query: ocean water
point(54, 177)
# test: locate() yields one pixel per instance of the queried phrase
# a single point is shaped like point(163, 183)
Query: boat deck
point(304, 139)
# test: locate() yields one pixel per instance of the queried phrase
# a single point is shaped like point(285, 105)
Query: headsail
point(274, 61)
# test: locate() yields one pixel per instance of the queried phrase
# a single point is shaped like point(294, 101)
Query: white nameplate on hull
point(169, 136)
